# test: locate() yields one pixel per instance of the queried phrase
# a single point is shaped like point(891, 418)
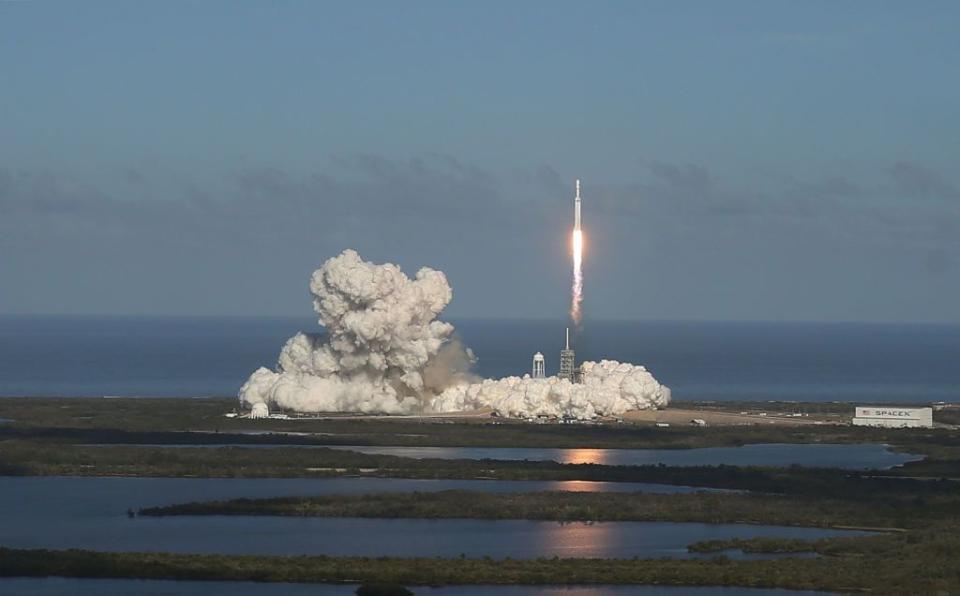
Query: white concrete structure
point(893, 417)
point(539, 366)
point(259, 410)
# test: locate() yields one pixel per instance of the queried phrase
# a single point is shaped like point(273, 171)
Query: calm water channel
point(60, 512)
point(851, 457)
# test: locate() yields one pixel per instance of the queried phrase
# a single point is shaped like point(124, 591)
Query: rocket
point(576, 208)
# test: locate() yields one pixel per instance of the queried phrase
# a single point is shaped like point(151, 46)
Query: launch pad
point(423, 369)
point(569, 369)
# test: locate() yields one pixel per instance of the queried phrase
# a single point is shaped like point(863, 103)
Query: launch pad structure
point(568, 362)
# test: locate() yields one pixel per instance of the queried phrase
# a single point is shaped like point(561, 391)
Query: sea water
point(201, 356)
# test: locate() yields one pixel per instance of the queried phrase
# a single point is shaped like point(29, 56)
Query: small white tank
point(259, 410)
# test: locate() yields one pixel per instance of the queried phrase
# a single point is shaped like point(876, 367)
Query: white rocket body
point(576, 209)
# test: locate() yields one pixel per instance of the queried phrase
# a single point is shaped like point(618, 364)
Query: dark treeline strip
point(762, 545)
point(840, 546)
point(113, 436)
point(408, 433)
point(936, 542)
point(406, 571)
point(884, 565)
point(700, 507)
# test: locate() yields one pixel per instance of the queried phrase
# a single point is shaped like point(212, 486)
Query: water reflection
point(861, 456)
point(587, 486)
point(584, 456)
point(250, 535)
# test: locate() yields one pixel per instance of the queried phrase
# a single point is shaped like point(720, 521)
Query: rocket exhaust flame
point(576, 314)
point(577, 290)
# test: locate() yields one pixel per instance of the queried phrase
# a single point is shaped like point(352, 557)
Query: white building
point(893, 417)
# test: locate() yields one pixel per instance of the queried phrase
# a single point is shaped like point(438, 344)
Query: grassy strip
point(758, 545)
point(885, 565)
point(937, 542)
point(837, 547)
point(406, 571)
point(578, 506)
point(125, 420)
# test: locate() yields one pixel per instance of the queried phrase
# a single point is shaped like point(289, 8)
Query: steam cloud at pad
point(385, 351)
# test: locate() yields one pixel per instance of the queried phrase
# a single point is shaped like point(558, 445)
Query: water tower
point(259, 410)
point(539, 366)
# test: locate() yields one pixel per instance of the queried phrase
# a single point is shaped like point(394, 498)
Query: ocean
point(212, 356)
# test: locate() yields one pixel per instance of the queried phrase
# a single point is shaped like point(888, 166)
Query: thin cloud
point(918, 181)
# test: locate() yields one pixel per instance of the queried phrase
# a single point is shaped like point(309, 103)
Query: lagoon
point(90, 513)
point(859, 456)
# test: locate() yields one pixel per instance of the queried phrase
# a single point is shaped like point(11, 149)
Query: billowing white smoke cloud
point(382, 341)
point(385, 351)
point(608, 388)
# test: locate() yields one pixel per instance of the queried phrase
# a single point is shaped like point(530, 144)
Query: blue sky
point(740, 160)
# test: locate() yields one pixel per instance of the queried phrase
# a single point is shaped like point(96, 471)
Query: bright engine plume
point(576, 298)
point(384, 351)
